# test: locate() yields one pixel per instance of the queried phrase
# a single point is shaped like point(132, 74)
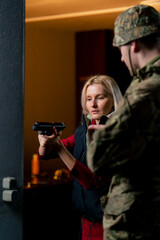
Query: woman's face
point(98, 101)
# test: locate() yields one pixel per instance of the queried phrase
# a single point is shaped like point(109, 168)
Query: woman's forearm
point(66, 156)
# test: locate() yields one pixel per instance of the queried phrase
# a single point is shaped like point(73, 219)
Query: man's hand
point(93, 128)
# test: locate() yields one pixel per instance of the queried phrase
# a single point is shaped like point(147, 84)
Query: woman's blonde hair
point(110, 86)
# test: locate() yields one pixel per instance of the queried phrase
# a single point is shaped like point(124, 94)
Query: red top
point(83, 174)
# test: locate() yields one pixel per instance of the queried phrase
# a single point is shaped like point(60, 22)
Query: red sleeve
point(86, 178)
point(69, 142)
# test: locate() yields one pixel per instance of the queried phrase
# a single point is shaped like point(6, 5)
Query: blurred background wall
point(49, 86)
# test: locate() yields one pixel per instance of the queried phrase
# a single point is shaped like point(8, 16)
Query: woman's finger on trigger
point(54, 134)
point(59, 133)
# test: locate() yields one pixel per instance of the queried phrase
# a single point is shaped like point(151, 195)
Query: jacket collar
point(149, 68)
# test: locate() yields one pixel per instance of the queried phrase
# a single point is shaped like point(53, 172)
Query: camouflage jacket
point(128, 148)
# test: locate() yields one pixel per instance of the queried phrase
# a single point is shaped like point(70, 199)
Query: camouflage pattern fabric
point(134, 23)
point(128, 151)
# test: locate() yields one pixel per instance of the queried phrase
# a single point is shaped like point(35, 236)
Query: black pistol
point(46, 128)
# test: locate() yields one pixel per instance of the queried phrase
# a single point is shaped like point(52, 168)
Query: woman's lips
point(95, 111)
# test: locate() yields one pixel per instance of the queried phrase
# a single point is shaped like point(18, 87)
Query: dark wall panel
point(11, 113)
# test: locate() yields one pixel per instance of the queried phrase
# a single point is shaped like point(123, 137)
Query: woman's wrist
point(42, 150)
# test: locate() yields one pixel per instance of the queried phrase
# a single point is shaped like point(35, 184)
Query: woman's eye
point(100, 98)
point(89, 99)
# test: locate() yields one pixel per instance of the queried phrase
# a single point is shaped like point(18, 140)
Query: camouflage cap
point(134, 23)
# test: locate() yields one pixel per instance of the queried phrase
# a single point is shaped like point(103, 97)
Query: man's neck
point(145, 56)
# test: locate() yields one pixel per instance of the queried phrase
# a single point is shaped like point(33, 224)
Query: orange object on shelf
point(35, 165)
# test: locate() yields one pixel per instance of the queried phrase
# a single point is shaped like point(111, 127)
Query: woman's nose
point(94, 103)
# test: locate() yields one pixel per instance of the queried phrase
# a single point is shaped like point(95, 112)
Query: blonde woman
point(100, 97)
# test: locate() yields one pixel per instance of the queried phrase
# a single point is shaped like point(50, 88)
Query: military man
point(127, 149)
